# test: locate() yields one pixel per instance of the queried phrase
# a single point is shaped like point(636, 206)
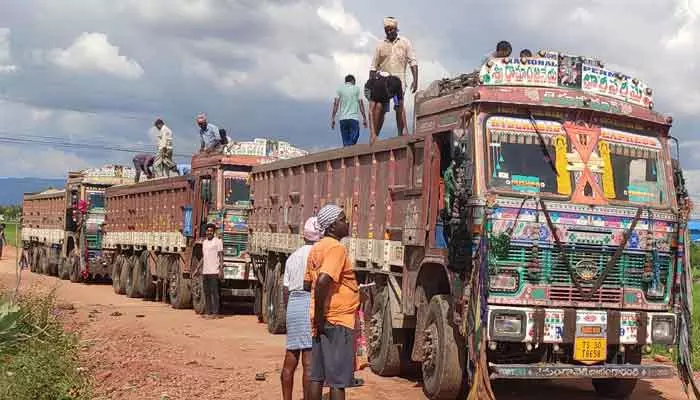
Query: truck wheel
point(54, 262)
point(258, 303)
point(74, 268)
point(35, 254)
point(132, 277)
point(44, 267)
point(145, 284)
point(198, 301)
point(614, 388)
point(117, 283)
point(277, 312)
point(384, 354)
point(619, 388)
point(267, 290)
point(178, 287)
point(64, 269)
point(443, 352)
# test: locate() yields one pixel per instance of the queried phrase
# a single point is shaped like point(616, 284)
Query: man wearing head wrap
point(210, 138)
point(298, 320)
point(335, 299)
point(391, 57)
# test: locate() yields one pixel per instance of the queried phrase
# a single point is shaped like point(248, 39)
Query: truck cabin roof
point(547, 79)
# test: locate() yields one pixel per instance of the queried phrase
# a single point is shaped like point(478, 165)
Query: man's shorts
point(385, 88)
point(333, 357)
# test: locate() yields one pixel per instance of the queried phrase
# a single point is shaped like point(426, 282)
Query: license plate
point(590, 349)
point(230, 272)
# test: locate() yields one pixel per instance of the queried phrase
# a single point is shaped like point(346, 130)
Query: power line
point(57, 142)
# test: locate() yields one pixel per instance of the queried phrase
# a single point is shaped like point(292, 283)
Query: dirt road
point(143, 350)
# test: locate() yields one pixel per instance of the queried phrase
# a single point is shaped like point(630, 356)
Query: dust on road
point(140, 350)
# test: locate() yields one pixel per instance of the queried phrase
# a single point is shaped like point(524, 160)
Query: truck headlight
point(230, 251)
point(505, 281)
point(663, 329)
point(507, 325)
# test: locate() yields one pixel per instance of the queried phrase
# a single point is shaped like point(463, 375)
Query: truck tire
point(258, 303)
point(35, 257)
point(614, 388)
point(277, 312)
point(64, 272)
point(145, 284)
point(132, 277)
point(118, 284)
point(178, 287)
point(44, 266)
point(74, 268)
point(619, 388)
point(198, 301)
point(443, 353)
point(54, 261)
point(384, 355)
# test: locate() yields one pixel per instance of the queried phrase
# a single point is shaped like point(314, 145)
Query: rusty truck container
point(66, 225)
point(145, 236)
point(43, 228)
point(381, 189)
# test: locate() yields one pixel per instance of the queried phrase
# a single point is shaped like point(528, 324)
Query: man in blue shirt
point(350, 104)
point(210, 138)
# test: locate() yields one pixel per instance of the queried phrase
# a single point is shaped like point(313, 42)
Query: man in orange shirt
point(335, 299)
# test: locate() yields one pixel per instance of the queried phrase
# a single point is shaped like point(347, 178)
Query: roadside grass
point(38, 359)
point(10, 234)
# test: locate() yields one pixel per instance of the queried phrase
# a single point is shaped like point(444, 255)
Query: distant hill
point(11, 189)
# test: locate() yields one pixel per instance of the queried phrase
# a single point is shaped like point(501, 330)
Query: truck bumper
point(237, 292)
point(569, 371)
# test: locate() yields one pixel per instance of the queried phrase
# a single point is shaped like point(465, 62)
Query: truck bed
point(148, 214)
point(43, 216)
point(379, 188)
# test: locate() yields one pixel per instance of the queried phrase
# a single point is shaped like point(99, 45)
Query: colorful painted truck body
point(154, 232)
point(534, 207)
point(62, 229)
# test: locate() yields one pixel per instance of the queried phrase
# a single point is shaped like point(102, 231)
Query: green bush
point(38, 359)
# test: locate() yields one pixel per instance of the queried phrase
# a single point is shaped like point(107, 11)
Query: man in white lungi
point(298, 303)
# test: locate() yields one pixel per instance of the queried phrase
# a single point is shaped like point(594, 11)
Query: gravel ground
point(137, 349)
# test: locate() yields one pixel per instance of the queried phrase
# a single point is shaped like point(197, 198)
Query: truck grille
point(238, 242)
point(627, 273)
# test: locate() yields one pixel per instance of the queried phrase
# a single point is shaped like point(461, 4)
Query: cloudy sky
point(100, 71)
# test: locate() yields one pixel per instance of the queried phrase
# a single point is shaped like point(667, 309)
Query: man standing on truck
point(391, 57)
point(335, 299)
point(164, 160)
point(298, 319)
point(143, 163)
point(212, 269)
point(210, 138)
point(350, 104)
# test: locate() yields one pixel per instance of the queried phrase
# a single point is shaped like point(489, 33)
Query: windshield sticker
point(640, 193)
point(529, 184)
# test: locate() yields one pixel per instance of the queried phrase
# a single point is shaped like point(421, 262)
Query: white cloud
point(92, 52)
point(24, 161)
point(6, 65)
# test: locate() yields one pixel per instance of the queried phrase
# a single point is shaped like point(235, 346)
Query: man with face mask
point(391, 57)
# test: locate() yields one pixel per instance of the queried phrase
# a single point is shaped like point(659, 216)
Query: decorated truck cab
point(560, 174)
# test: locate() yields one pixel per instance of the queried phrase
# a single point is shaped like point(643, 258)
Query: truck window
point(236, 190)
point(517, 162)
point(96, 200)
point(636, 173)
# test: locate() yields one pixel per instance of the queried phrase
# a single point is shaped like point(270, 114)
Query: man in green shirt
point(349, 101)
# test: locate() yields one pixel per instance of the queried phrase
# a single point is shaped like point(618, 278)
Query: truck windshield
point(517, 162)
point(96, 200)
point(624, 166)
point(236, 189)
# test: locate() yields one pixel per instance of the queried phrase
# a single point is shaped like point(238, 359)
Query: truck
point(533, 217)
point(153, 232)
point(61, 228)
